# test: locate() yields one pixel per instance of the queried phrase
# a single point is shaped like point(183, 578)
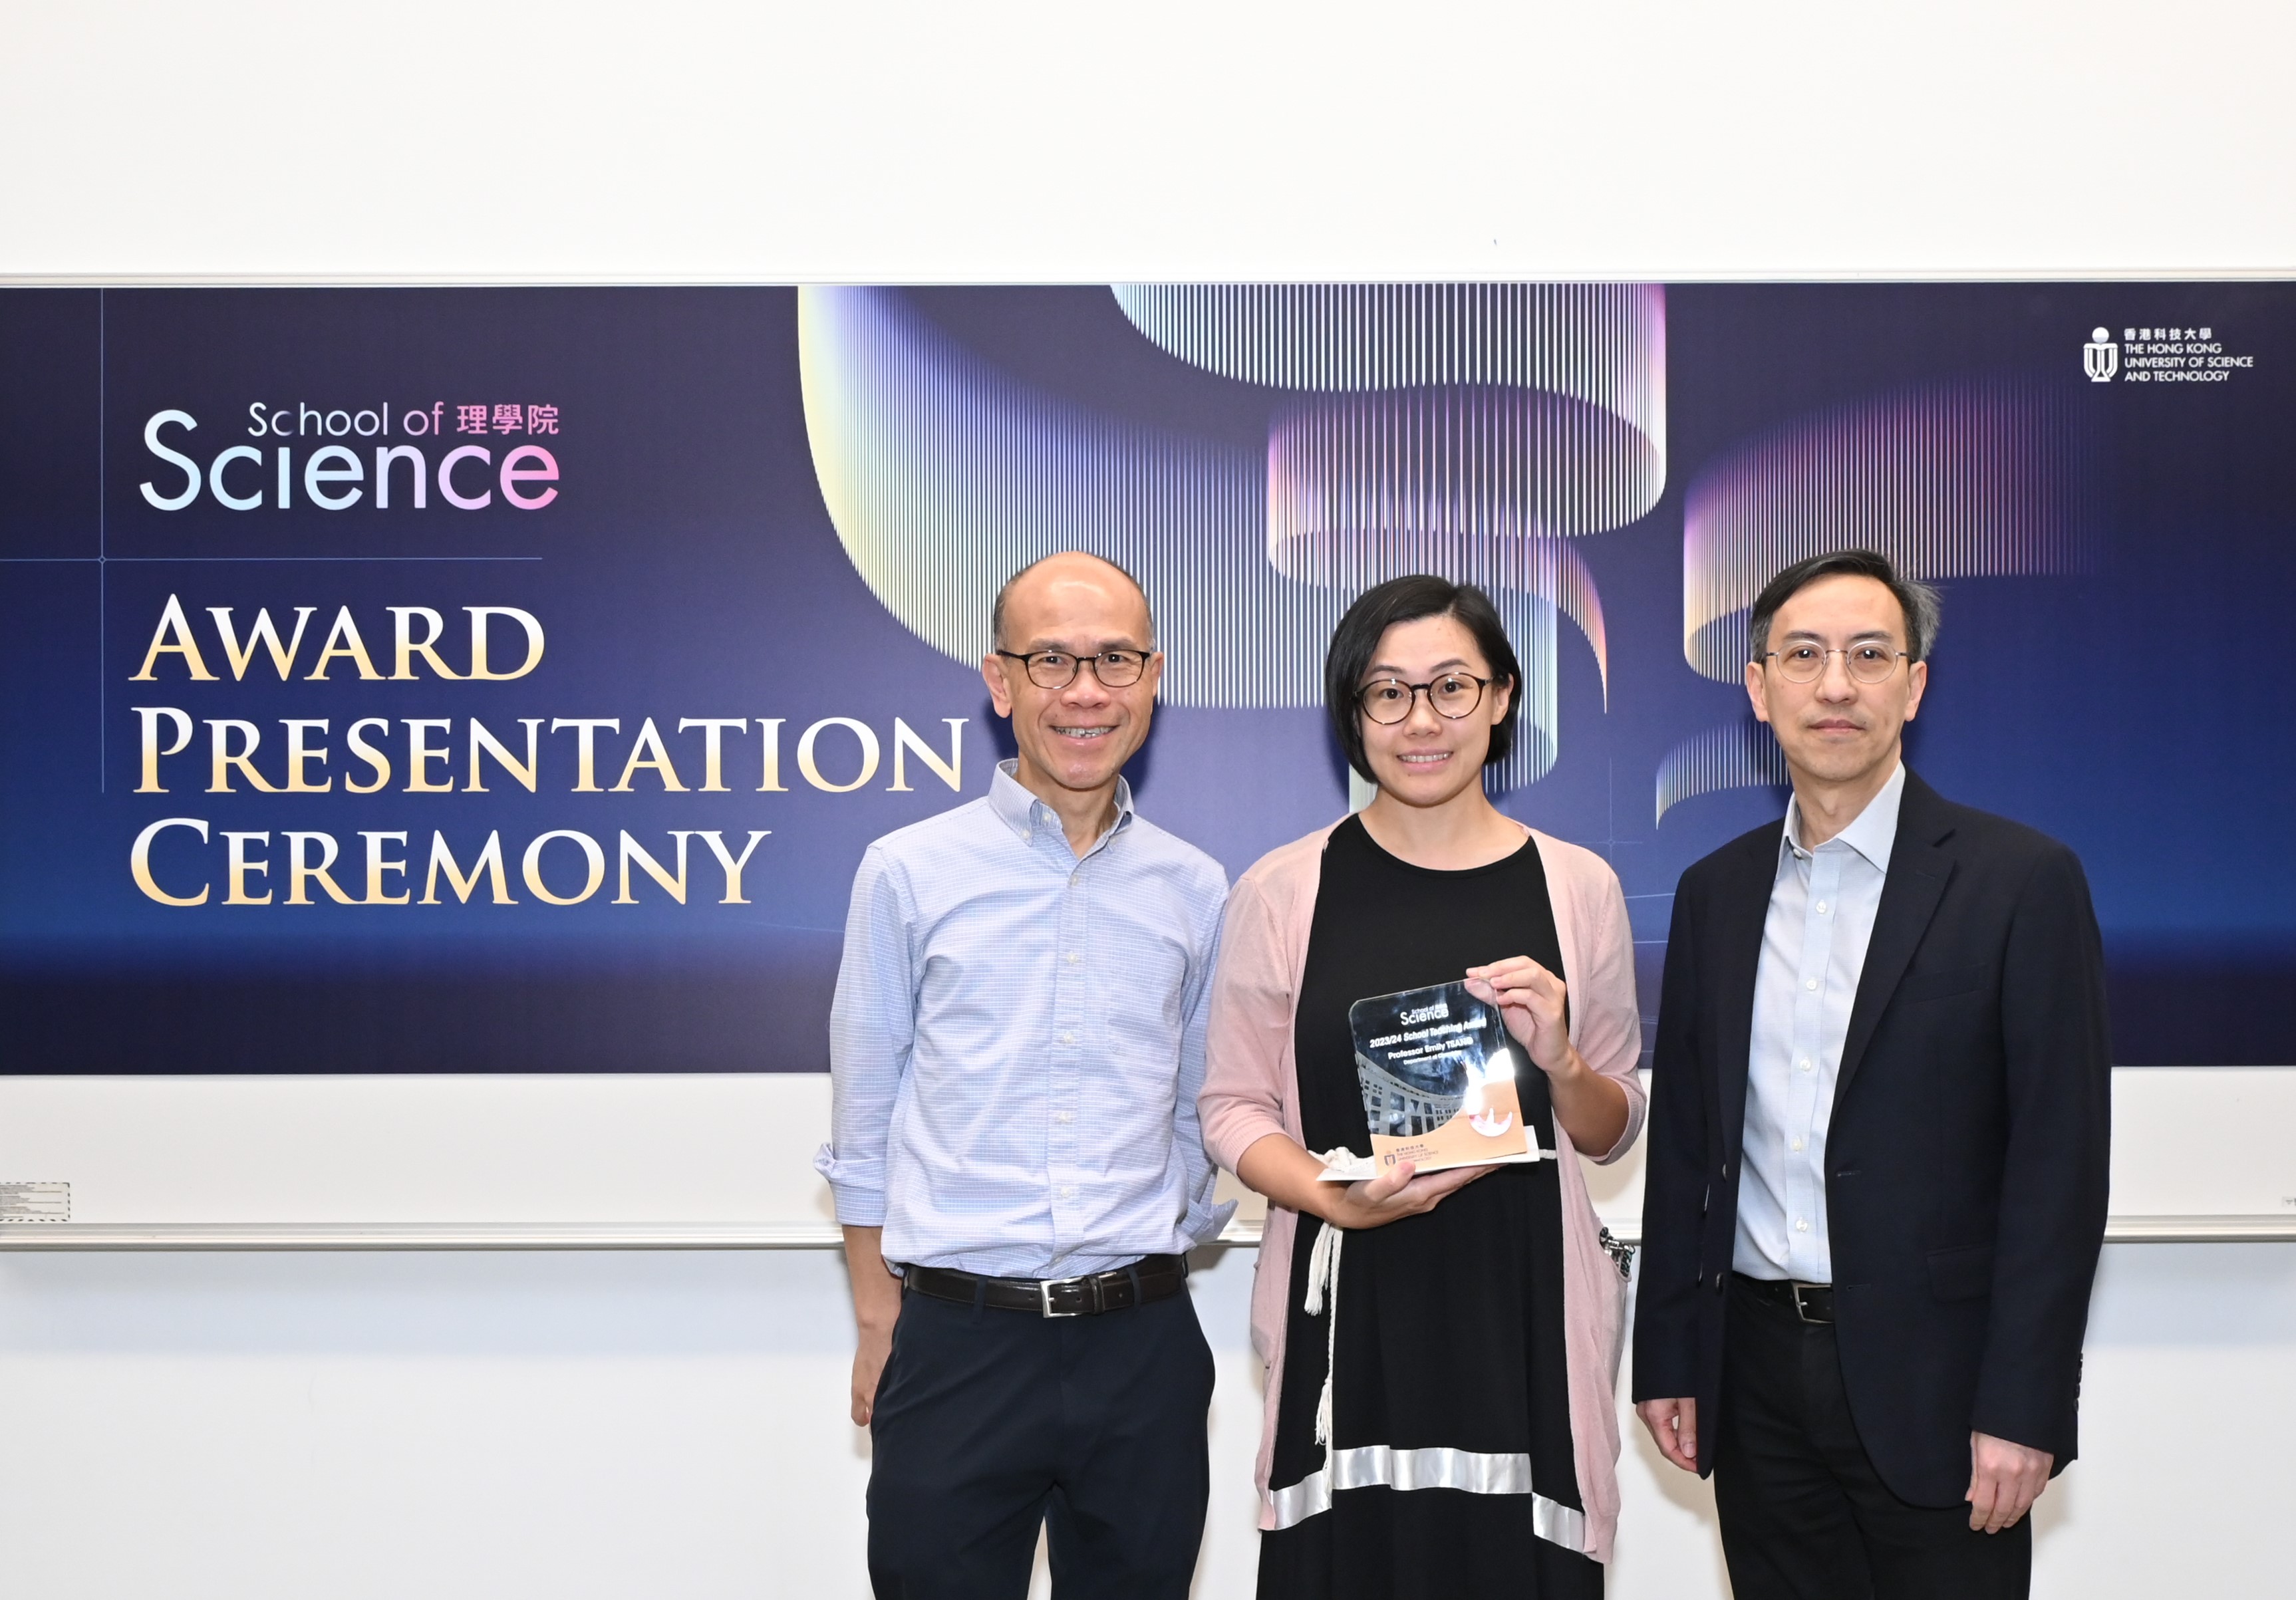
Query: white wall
point(273, 1425)
point(258, 1426)
point(569, 1425)
point(1033, 140)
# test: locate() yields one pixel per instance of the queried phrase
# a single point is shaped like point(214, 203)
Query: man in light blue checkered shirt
point(1016, 1046)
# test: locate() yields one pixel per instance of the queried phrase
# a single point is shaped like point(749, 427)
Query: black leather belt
point(1149, 1278)
point(1812, 1302)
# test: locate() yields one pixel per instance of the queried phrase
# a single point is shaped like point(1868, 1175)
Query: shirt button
point(1801, 1224)
point(1809, 983)
point(1821, 908)
point(1804, 1064)
point(1073, 958)
point(1068, 1191)
point(1071, 1117)
point(1067, 1037)
point(1797, 1144)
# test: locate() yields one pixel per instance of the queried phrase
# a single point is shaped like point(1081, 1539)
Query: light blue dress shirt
point(1018, 1041)
point(1821, 920)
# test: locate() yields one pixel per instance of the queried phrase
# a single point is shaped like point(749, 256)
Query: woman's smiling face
point(1428, 758)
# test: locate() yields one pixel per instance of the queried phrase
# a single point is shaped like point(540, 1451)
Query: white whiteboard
point(639, 1161)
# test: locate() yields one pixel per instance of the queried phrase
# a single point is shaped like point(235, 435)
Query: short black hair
point(1918, 602)
point(1355, 641)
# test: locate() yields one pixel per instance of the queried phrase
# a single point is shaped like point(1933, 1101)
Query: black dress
point(1451, 1412)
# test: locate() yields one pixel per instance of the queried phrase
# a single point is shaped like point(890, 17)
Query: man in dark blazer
point(1880, 1114)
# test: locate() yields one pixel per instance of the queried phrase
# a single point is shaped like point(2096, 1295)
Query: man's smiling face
point(1075, 738)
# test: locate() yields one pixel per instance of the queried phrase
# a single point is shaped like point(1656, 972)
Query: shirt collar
point(1871, 834)
point(1024, 813)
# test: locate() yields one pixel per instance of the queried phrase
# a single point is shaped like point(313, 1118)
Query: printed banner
point(509, 680)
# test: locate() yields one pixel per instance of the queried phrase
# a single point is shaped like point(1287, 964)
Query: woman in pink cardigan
point(1440, 1348)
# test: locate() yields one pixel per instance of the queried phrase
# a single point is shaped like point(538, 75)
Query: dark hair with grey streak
point(1355, 641)
point(1917, 601)
point(996, 611)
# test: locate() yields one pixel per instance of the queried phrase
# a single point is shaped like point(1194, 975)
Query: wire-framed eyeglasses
point(1388, 700)
point(1868, 662)
point(1057, 668)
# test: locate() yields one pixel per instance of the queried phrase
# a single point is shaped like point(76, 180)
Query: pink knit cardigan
point(1252, 1090)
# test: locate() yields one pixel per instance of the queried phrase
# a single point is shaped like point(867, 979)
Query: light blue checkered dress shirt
point(1018, 1040)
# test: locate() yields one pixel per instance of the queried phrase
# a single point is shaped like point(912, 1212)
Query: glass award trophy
point(1437, 1068)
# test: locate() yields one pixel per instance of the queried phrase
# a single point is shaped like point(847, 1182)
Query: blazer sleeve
point(1245, 1086)
point(1674, 1185)
point(2058, 1062)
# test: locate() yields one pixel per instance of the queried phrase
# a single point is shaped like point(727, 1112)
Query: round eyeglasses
point(1057, 668)
point(1388, 700)
point(1869, 661)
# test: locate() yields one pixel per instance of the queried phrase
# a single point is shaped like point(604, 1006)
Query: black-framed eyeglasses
point(1057, 668)
point(1869, 661)
point(1388, 700)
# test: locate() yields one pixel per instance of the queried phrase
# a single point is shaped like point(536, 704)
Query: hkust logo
point(325, 456)
point(2161, 354)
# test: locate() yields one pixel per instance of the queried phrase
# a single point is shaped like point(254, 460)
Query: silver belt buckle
point(1800, 1310)
point(1045, 1287)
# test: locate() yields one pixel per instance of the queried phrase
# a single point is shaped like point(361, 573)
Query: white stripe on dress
point(1431, 1467)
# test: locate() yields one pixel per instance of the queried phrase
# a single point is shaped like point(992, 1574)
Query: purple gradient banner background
point(782, 506)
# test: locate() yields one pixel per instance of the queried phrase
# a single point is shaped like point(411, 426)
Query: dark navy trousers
point(1804, 1514)
point(990, 1424)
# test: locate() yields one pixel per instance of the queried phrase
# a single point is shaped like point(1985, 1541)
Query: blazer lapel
point(1741, 916)
point(1918, 871)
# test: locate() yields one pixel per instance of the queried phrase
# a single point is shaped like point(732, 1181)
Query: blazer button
point(1717, 1283)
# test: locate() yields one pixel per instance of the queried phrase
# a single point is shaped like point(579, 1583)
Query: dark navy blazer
point(1966, 1158)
